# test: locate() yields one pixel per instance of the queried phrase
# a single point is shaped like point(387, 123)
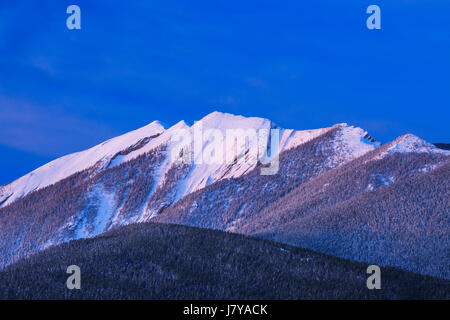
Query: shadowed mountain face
point(389, 208)
point(337, 191)
point(443, 146)
point(392, 225)
point(162, 261)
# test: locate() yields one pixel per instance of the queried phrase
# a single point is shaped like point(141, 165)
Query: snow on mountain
point(63, 167)
point(290, 138)
point(408, 143)
point(411, 143)
point(202, 174)
point(349, 144)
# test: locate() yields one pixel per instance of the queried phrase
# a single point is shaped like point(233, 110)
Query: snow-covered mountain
point(135, 143)
point(135, 178)
point(61, 168)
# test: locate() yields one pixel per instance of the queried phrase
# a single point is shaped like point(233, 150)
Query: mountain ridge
point(65, 166)
point(140, 183)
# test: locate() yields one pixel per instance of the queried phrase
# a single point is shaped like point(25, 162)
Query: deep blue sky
point(303, 64)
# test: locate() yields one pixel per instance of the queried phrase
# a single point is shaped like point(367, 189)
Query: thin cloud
point(46, 130)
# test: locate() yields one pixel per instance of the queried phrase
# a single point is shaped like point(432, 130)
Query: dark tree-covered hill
point(443, 146)
point(163, 261)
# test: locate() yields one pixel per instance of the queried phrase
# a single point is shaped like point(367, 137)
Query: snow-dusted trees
point(153, 261)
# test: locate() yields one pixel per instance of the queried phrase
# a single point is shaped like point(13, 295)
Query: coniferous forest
point(163, 261)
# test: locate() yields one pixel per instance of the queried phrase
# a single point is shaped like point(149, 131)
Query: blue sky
point(303, 64)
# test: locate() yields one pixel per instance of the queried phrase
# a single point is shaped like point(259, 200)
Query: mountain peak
point(221, 120)
point(179, 125)
point(412, 143)
point(156, 124)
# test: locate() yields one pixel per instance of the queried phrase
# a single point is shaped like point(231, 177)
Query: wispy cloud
point(46, 130)
point(256, 82)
